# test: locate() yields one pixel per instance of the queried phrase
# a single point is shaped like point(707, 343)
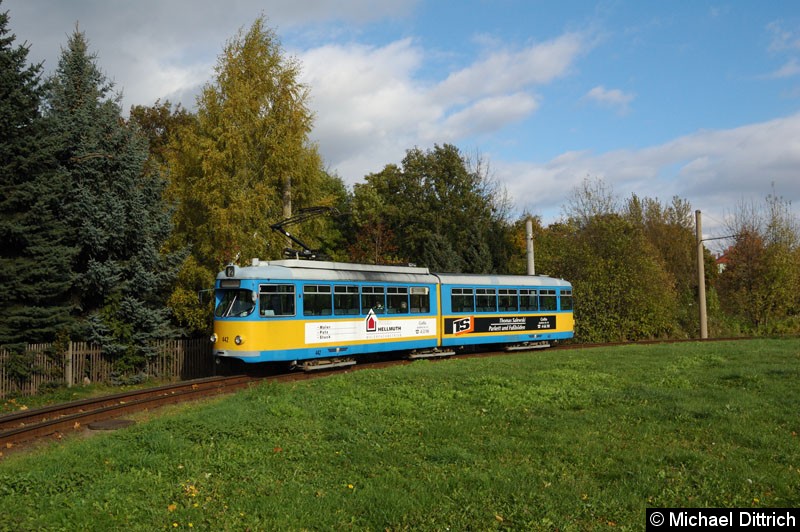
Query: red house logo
point(371, 321)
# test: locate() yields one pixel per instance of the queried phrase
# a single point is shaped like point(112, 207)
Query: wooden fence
point(83, 362)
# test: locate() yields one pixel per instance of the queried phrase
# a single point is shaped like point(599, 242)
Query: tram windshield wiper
point(237, 303)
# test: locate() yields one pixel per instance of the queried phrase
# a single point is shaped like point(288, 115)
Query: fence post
point(68, 366)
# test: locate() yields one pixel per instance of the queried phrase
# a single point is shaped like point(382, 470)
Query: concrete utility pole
point(529, 242)
point(287, 197)
point(701, 278)
point(287, 203)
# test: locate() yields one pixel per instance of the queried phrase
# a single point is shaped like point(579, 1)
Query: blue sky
point(694, 99)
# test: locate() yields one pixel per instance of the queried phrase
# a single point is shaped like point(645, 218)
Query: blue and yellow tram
point(296, 310)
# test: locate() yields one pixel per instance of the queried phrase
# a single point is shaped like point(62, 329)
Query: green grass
point(568, 440)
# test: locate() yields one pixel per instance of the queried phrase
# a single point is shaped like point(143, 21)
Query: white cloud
point(614, 98)
point(784, 42)
point(714, 170)
point(155, 49)
point(487, 114)
point(790, 69)
point(783, 39)
point(506, 71)
point(370, 107)
point(369, 101)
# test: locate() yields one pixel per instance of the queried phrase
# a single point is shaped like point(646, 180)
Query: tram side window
point(547, 300)
point(397, 299)
point(373, 297)
point(316, 300)
point(527, 299)
point(566, 300)
point(486, 299)
point(345, 300)
point(508, 300)
point(420, 299)
point(276, 300)
point(462, 300)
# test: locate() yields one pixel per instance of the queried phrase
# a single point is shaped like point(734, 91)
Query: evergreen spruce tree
point(34, 252)
point(115, 210)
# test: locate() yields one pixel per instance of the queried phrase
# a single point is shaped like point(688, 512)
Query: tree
point(670, 231)
point(592, 198)
point(34, 255)
point(113, 207)
point(160, 123)
point(331, 234)
point(622, 291)
point(761, 281)
point(443, 211)
point(372, 241)
point(242, 165)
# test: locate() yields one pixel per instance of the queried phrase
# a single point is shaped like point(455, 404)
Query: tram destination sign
point(499, 324)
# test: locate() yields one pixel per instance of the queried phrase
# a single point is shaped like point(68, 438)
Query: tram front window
point(235, 303)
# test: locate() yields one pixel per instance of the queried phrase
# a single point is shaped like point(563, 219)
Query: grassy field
point(573, 440)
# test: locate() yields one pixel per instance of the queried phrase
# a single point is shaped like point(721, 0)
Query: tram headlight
point(213, 338)
point(238, 340)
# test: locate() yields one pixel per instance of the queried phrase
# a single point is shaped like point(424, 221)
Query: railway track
point(56, 420)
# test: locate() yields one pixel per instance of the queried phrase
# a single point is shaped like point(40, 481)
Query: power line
point(719, 222)
point(718, 238)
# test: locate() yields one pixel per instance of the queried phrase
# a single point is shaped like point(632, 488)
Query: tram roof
point(329, 271)
point(343, 271)
point(499, 281)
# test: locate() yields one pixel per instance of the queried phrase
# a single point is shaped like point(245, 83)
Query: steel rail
point(27, 425)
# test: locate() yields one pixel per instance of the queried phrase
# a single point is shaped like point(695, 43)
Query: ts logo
point(463, 325)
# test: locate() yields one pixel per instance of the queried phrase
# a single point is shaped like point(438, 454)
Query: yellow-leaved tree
point(240, 165)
